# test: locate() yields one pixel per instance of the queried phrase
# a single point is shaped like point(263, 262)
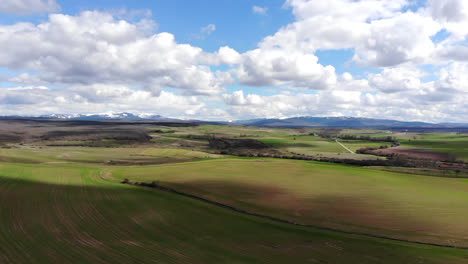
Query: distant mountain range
point(352, 122)
point(107, 116)
point(294, 122)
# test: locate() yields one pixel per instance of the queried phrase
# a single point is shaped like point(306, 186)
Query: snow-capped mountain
point(107, 116)
point(308, 121)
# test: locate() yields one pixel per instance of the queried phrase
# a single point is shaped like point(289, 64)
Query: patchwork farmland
point(63, 200)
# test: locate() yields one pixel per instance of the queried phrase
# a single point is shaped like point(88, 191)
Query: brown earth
point(355, 214)
point(417, 153)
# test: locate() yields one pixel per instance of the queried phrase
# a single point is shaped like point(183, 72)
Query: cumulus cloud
point(227, 55)
point(404, 38)
point(94, 47)
point(116, 61)
point(331, 24)
point(382, 33)
point(238, 98)
point(324, 103)
point(379, 32)
point(273, 67)
point(33, 100)
point(454, 78)
point(412, 105)
point(15, 95)
point(24, 7)
point(394, 93)
point(448, 10)
point(452, 53)
point(397, 79)
point(453, 15)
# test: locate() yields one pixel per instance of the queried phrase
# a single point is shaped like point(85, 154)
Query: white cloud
point(452, 53)
point(117, 61)
point(205, 32)
point(24, 7)
point(397, 79)
point(449, 10)
point(208, 29)
point(331, 24)
point(454, 78)
point(393, 41)
point(95, 99)
point(325, 103)
point(453, 14)
point(380, 32)
point(94, 47)
point(260, 10)
point(273, 67)
point(411, 105)
point(227, 55)
point(23, 95)
point(238, 98)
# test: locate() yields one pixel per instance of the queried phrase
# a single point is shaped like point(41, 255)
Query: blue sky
point(237, 26)
point(225, 59)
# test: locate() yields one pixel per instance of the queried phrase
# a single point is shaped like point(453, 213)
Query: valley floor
point(74, 213)
point(62, 199)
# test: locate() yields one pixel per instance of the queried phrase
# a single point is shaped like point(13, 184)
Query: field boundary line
point(345, 147)
point(281, 220)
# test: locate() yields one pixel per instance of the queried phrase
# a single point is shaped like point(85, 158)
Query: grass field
point(450, 143)
point(422, 208)
point(56, 214)
point(445, 142)
point(62, 200)
point(317, 146)
point(426, 171)
point(288, 140)
point(123, 155)
point(303, 141)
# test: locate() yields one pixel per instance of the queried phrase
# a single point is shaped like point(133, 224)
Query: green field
point(286, 140)
point(122, 155)
point(70, 214)
point(450, 143)
point(62, 200)
point(422, 208)
point(318, 146)
point(445, 142)
point(303, 141)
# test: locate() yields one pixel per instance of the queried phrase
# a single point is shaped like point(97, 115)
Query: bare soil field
point(417, 153)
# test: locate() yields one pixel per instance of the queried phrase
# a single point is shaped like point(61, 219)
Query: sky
point(236, 59)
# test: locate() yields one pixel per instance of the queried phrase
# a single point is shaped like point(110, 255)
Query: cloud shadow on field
point(347, 213)
point(108, 222)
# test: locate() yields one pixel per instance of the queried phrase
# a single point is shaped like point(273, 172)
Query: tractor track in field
point(345, 147)
point(277, 219)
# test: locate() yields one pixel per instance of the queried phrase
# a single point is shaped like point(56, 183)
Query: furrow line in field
point(285, 221)
point(345, 147)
